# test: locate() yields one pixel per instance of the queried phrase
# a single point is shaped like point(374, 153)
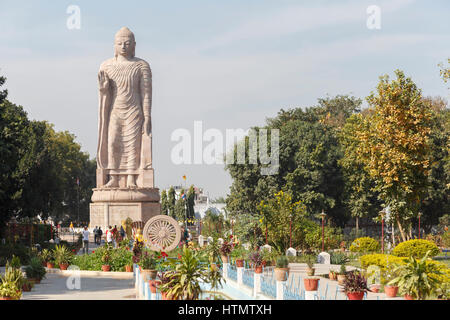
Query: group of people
point(113, 235)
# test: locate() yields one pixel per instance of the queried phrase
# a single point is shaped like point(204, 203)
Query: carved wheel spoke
point(162, 232)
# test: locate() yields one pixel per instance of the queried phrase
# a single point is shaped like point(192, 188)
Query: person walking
point(95, 231)
point(85, 241)
point(99, 235)
point(109, 236)
point(122, 233)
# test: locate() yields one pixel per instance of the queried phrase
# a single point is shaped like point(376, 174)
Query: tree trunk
point(402, 232)
point(393, 235)
point(357, 224)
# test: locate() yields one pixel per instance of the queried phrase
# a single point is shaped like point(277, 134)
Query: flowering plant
point(226, 248)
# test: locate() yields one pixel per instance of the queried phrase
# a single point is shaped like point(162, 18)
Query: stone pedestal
point(110, 207)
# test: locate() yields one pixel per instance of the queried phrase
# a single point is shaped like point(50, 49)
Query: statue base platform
point(110, 206)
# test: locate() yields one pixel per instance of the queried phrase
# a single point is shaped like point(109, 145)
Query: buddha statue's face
point(124, 46)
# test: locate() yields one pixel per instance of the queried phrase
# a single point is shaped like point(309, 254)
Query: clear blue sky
point(228, 63)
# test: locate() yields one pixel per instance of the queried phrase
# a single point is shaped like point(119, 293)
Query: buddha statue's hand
point(147, 127)
point(103, 82)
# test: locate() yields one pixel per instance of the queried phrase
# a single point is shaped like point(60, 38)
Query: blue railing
point(232, 272)
point(248, 278)
point(268, 286)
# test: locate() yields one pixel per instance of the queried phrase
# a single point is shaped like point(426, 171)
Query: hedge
point(365, 245)
point(380, 260)
point(416, 248)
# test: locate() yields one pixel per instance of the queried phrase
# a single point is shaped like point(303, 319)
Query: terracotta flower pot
point(239, 263)
point(408, 297)
point(225, 259)
point(391, 291)
point(149, 274)
point(154, 285)
point(258, 269)
point(375, 288)
point(6, 298)
point(34, 280)
point(311, 284)
point(281, 274)
point(26, 287)
point(355, 295)
point(44, 263)
point(264, 263)
point(106, 267)
point(50, 265)
point(63, 266)
point(128, 268)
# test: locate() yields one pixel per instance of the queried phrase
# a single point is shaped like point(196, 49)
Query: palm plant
point(13, 275)
point(417, 278)
point(185, 277)
point(46, 255)
point(62, 254)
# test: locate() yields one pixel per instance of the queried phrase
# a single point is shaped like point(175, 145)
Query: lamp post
point(382, 214)
point(322, 215)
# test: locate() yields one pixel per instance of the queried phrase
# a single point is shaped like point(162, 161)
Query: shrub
point(338, 258)
point(365, 245)
point(415, 248)
point(355, 282)
point(446, 239)
point(9, 249)
point(282, 262)
point(35, 270)
point(380, 260)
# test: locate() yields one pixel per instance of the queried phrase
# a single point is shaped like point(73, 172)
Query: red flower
point(164, 254)
point(73, 250)
point(159, 257)
point(179, 256)
point(93, 251)
point(231, 236)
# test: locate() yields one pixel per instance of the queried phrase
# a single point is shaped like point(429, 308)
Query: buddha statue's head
point(124, 43)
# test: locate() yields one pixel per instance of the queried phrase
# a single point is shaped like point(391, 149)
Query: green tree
point(180, 207)
point(395, 146)
point(171, 202)
point(191, 202)
point(360, 199)
point(164, 203)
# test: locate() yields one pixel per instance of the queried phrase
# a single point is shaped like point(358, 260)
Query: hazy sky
point(228, 63)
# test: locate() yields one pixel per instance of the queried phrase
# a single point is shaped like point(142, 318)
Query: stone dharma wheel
point(162, 233)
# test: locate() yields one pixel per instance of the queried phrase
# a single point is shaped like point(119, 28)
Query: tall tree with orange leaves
point(395, 146)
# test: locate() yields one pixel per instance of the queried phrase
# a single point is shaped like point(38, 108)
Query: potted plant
point(417, 279)
point(332, 275)
point(310, 260)
point(106, 258)
point(342, 274)
point(390, 273)
point(355, 285)
point(185, 277)
point(282, 268)
point(265, 256)
point(47, 257)
point(238, 254)
point(13, 275)
point(9, 291)
point(225, 251)
point(35, 272)
point(163, 287)
point(129, 267)
point(62, 256)
point(256, 260)
point(148, 265)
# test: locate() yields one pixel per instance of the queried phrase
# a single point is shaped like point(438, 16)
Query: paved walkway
point(54, 287)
